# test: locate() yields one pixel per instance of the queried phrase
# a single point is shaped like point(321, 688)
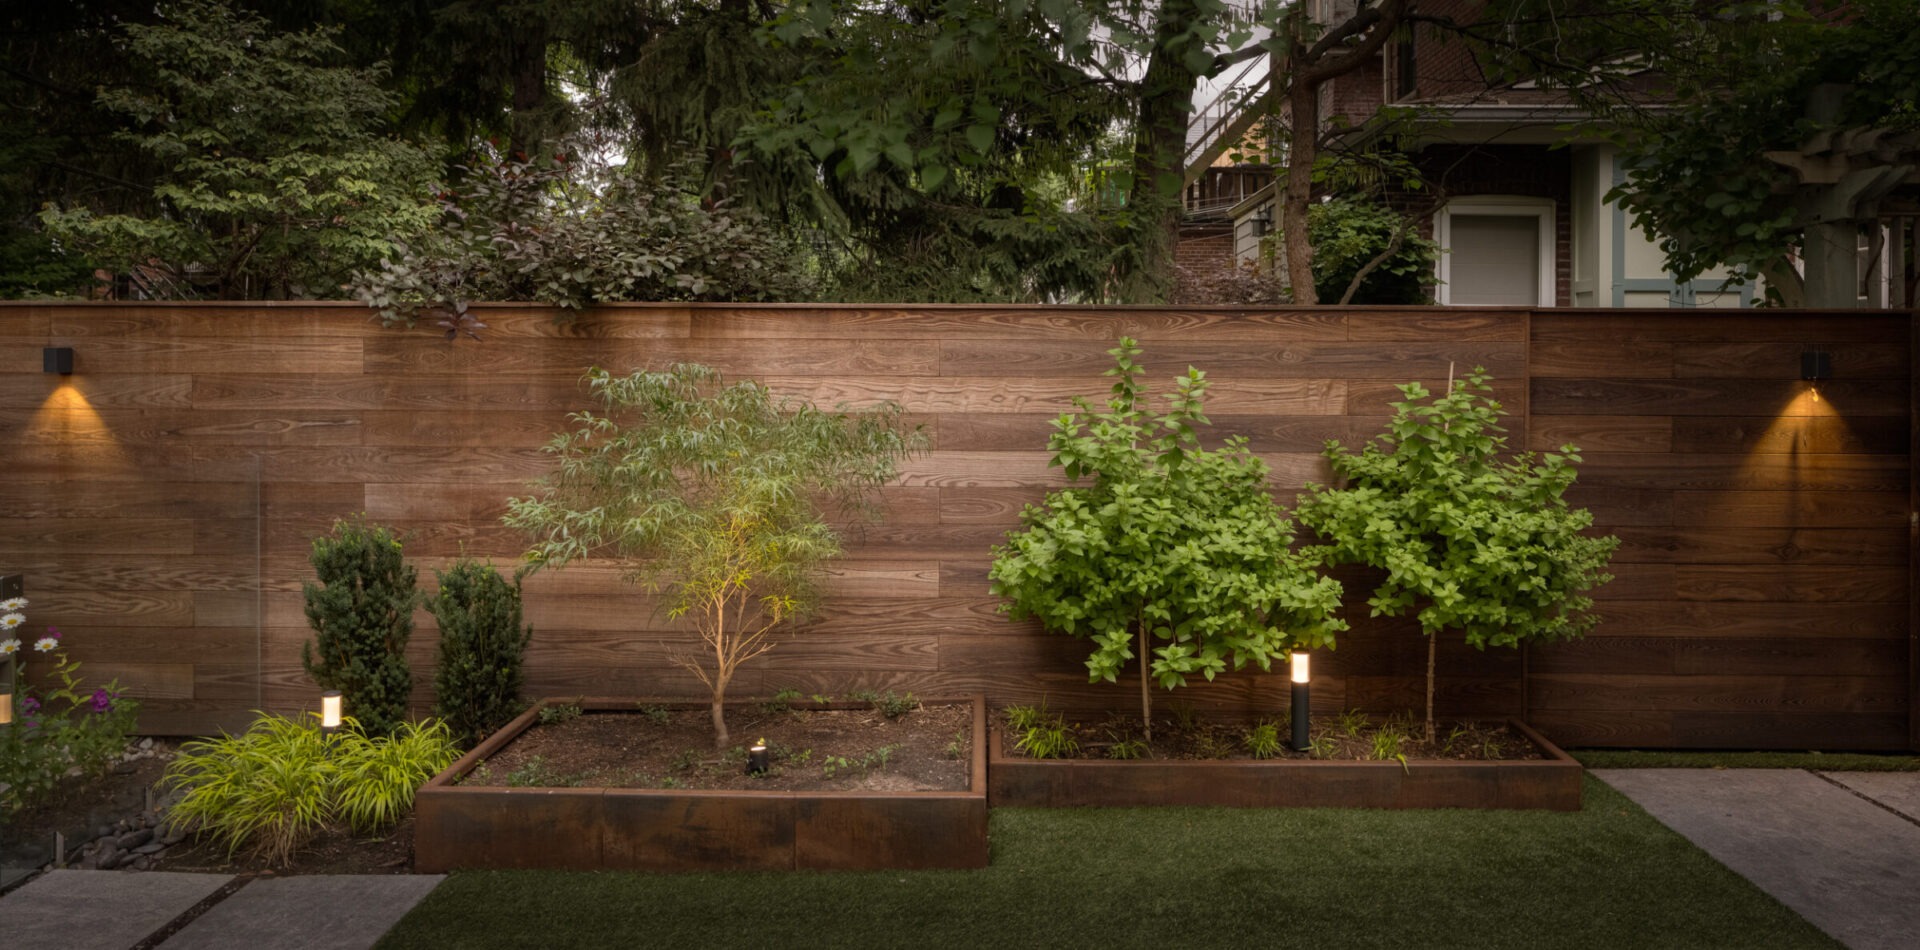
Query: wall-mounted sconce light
point(1263, 220)
point(6, 706)
point(1816, 365)
point(330, 711)
point(757, 758)
point(57, 359)
point(1302, 704)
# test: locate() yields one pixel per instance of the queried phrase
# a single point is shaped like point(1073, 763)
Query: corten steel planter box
point(459, 826)
point(1552, 783)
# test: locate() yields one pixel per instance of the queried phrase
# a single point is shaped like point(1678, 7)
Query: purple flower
point(30, 704)
point(102, 700)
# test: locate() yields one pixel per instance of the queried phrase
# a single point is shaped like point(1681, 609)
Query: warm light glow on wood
point(6, 708)
point(1299, 664)
point(330, 709)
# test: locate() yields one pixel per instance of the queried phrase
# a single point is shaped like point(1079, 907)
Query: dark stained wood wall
point(1762, 585)
point(161, 500)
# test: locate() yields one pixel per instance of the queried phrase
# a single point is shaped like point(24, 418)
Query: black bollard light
point(1302, 703)
point(757, 758)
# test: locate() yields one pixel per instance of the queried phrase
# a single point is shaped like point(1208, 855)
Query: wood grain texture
point(162, 500)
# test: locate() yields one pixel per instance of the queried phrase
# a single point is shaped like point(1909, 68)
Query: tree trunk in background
point(529, 71)
point(1160, 144)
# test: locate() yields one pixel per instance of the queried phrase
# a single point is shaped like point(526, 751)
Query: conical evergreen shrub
point(362, 614)
point(482, 643)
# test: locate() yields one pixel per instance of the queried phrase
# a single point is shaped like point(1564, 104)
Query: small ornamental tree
point(482, 644)
point(1170, 543)
point(1469, 540)
point(362, 614)
point(712, 492)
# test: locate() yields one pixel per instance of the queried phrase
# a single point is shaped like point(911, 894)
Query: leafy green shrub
point(1171, 543)
point(362, 614)
point(1046, 736)
point(1469, 540)
point(64, 729)
point(482, 644)
point(573, 234)
point(1348, 234)
point(272, 788)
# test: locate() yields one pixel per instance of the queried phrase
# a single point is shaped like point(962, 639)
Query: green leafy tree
point(1171, 543)
point(711, 491)
point(275, 178)
point(1470, 540)
point(575, 234)
point(482, 646)
point(1711, 177)
point(1366, 253)
point(362, 614)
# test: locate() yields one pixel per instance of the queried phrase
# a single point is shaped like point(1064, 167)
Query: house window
point(1496, 252)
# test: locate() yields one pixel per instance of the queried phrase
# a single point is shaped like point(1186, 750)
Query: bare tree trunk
point(1146, 696)
point(1303, 147)
point(1433, 648)
point(1159, 150)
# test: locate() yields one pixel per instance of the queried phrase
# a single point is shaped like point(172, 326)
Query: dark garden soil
point(923, 749)
point(1350, 737)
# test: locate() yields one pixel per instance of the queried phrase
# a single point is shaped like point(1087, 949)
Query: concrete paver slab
point(1847, 866)
point(99, 910)
point(1899, 791)
point(317, 912)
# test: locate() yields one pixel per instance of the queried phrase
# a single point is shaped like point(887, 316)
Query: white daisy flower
point(12, 621)
point(46, 645)
point(13, 603)
point(9, 647)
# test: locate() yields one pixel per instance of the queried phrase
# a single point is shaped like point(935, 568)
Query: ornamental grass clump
point(273, 788)
point(482, 647)
point(1175, 557)
point(1470, 539)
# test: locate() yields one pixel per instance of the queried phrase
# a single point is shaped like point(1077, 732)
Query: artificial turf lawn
point(1605, 877)
point(1818, 761)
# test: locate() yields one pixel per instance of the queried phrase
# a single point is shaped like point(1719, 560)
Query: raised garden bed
point(1551, 782)
point(466, 825)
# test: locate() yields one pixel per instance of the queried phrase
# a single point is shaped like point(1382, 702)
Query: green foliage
point(63, 728)
point(957, 746)
point(1126, 749)
point(657, 714)
point(1699, 179)
point(710, 491)
point(782, 701)
point(889, 704)
point(1348, 234)
point(1263, 740)
point(1048, 737)
point(558, 713)
point(376, 777)
point(573, 234)
point(1022, 718)
point(276, 177)
point(872, 761)
point(273, 787)
point(1172, 542)
point(1469, 540)
point(1387, 746)
point(482, 644)
point(362, 614)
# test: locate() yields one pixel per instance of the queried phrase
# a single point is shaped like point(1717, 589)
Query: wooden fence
point(161, 500)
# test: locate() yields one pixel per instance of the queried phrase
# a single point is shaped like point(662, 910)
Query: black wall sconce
point(1816, 365)
point(57, 359)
